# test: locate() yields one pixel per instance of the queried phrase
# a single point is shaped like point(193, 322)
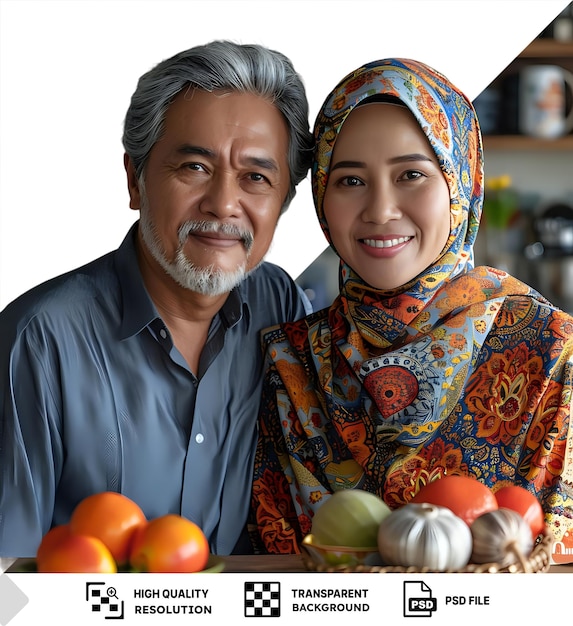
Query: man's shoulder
point(272, 295)
point(270, 281)
point(268, 272)
point(61, 294)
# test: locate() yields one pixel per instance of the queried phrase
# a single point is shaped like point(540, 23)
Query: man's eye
point(257, 178)
point(196, 167)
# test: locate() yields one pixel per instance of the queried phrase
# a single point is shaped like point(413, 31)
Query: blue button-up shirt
point(95, 397)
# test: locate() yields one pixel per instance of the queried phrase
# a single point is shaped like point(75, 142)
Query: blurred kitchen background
point(526, 116)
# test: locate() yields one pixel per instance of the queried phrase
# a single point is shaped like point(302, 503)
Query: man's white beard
point(208, 281)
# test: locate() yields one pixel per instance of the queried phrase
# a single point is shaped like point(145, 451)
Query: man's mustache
point(207, 226)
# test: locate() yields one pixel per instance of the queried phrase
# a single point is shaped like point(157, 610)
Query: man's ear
point(132, 184)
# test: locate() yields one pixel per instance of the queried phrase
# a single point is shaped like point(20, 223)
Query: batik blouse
point(464, 370)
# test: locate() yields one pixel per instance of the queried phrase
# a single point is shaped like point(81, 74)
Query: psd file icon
point(418, 599)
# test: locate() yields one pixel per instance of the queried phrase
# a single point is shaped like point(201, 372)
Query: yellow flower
point(498, 183)
point(504, 182)
point(500, 201)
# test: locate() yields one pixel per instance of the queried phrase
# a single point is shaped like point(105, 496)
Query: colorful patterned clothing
point(462, 371)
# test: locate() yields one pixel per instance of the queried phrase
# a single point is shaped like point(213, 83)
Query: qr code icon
point(262, 599)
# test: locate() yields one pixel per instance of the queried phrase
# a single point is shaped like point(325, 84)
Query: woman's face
point(387, 203)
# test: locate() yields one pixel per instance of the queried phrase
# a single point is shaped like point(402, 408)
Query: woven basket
point(537, 562)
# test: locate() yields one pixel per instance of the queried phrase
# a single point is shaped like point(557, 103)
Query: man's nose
point(381, 205)
point(222, 196)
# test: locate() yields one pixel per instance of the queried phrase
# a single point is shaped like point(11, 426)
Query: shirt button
point(199, 438)
point(163, 333)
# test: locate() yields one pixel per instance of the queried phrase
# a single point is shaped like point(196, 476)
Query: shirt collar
point(138, 308)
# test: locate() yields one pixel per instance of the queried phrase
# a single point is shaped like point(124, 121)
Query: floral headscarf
point(448, 120)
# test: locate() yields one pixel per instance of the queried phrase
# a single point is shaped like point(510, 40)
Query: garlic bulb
point(502, 537)
point(424, 536)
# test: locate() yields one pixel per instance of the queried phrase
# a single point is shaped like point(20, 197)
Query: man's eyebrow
point(190, 149)
point(403, 158)
point(262, 162)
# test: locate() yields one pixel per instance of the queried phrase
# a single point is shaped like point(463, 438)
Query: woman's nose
point(221, 196)
point(381, 205)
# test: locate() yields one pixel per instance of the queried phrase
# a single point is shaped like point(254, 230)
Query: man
point(140, 372)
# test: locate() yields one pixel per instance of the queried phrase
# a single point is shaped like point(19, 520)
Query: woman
point(423, 365)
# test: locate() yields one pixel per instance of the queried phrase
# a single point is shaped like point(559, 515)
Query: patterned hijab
point(448, 120)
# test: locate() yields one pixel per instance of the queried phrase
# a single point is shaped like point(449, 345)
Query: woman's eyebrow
point(340, 164)
point(403, 158)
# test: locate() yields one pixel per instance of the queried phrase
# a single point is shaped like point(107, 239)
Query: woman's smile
point(384, 248)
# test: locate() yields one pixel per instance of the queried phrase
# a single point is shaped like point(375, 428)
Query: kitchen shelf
point(521, 142)
point(544, 51)
point(547, 48)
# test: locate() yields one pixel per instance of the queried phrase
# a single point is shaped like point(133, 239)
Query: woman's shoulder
point(534, 310)
point(534, 324)
point(514, 290)
point(484, 283)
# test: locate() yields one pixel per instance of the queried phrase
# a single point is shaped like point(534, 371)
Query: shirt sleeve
point(30, 445)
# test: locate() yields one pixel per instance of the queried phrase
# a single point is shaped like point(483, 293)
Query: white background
point(68, 69)
point(512, 599)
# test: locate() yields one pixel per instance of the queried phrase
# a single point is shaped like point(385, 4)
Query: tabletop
point(283, 563)
point(294, 563)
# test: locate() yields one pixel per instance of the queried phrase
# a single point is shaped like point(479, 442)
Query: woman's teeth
point(385, 243)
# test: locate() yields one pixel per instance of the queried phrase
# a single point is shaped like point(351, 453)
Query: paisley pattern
point(462, 371)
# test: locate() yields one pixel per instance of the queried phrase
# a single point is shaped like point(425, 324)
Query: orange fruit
point(51, 540)
point(525, 503)
point(169, 543)
point(110, 517)
point(465, 496)
point(78, 554)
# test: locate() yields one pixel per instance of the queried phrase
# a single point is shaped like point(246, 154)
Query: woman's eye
point(411, 175)
point(351, 181)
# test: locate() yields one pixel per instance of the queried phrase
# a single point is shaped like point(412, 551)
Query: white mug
point(542, 101)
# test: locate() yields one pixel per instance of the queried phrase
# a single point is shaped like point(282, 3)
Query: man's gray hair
point(221, 65)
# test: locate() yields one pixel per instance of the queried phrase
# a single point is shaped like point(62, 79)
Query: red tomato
point(525, 503)
point(50, 541)
point(466, 496)
point(78, 554)
point(170, 543)
point(112, 518)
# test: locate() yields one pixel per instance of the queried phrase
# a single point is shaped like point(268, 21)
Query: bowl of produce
point(455, 524)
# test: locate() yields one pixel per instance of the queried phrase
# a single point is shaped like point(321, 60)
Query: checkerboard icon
point(262, 599)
